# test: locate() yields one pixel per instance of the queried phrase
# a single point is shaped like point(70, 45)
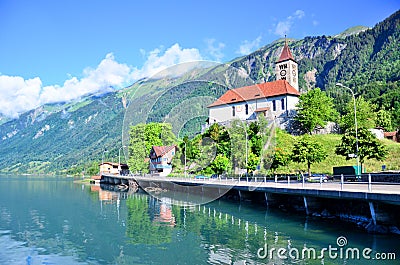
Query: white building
point(275, 100)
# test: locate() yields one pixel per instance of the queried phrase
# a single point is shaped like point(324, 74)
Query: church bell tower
point(286, 67)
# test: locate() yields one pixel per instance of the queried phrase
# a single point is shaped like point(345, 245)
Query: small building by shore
point(113, 168)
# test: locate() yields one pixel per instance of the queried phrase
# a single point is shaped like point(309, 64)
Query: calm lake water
point(47, 220)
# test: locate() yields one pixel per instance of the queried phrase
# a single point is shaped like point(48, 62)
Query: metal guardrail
point(367, 180)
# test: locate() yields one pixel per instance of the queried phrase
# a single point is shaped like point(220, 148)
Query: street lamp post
point(119, 159)
point(185, 158)
point(245, 130)
point(102, 160)
point(355, 123)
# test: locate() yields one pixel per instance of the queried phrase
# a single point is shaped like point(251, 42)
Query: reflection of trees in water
point(142, 227)
point(152, 222)
point(225, 237)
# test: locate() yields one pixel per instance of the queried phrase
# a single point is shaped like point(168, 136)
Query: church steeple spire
point(286, 53)
point(286, 67)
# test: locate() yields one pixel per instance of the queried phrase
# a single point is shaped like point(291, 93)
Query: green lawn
point(329, 142)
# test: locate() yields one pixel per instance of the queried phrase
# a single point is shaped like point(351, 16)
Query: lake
point(52, 220)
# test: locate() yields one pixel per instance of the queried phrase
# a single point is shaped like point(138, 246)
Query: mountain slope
point(43, 141)
point(351, 31)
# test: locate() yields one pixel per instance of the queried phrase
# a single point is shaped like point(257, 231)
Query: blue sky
point(60, 50)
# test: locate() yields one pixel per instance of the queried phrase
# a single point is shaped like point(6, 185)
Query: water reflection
point(232, 233)
point(58, 222)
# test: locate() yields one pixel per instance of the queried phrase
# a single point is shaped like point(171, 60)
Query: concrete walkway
point(346, 190)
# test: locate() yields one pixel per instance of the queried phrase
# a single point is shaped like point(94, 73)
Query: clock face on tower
point(294, 72)
point(283, 72)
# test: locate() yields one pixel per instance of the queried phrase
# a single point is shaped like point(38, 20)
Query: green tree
point(200, 152)
point(309, 151)
point(207, 153)
point(137, 149)
point(220, 164)
point(224, 143)
point(193, 147)
point(252, 162)
point(159, 134)
point(214, 131)
point(396, 115)
point(366, 114)
point(238, 133)
point(255, 138)
point(93, 168)
point(384, 120)
point(368, 145)
point(280, 158)
point(220, 136)
point(314, 110)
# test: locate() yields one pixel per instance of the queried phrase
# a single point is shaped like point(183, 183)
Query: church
point(275, 100)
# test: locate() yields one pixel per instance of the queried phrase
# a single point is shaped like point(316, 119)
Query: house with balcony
point(161, 160)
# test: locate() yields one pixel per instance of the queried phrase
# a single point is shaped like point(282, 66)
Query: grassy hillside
point(329, 142)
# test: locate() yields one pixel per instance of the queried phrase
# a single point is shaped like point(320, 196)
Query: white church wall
point(292, 102)
point(219, 114)
point(225, 112)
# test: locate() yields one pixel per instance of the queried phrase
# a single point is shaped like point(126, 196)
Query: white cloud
point(299, 14)
point(215, 49)
point(283, 27)
point(156, 61)
point(18, 95)
point(109, 73)
point(249, 46)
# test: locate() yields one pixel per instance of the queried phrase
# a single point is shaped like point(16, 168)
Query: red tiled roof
point(162, 150)
point(258, 91)
point(389, 134)
point(286, 54)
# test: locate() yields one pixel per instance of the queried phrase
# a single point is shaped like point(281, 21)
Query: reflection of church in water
point(161, 212)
